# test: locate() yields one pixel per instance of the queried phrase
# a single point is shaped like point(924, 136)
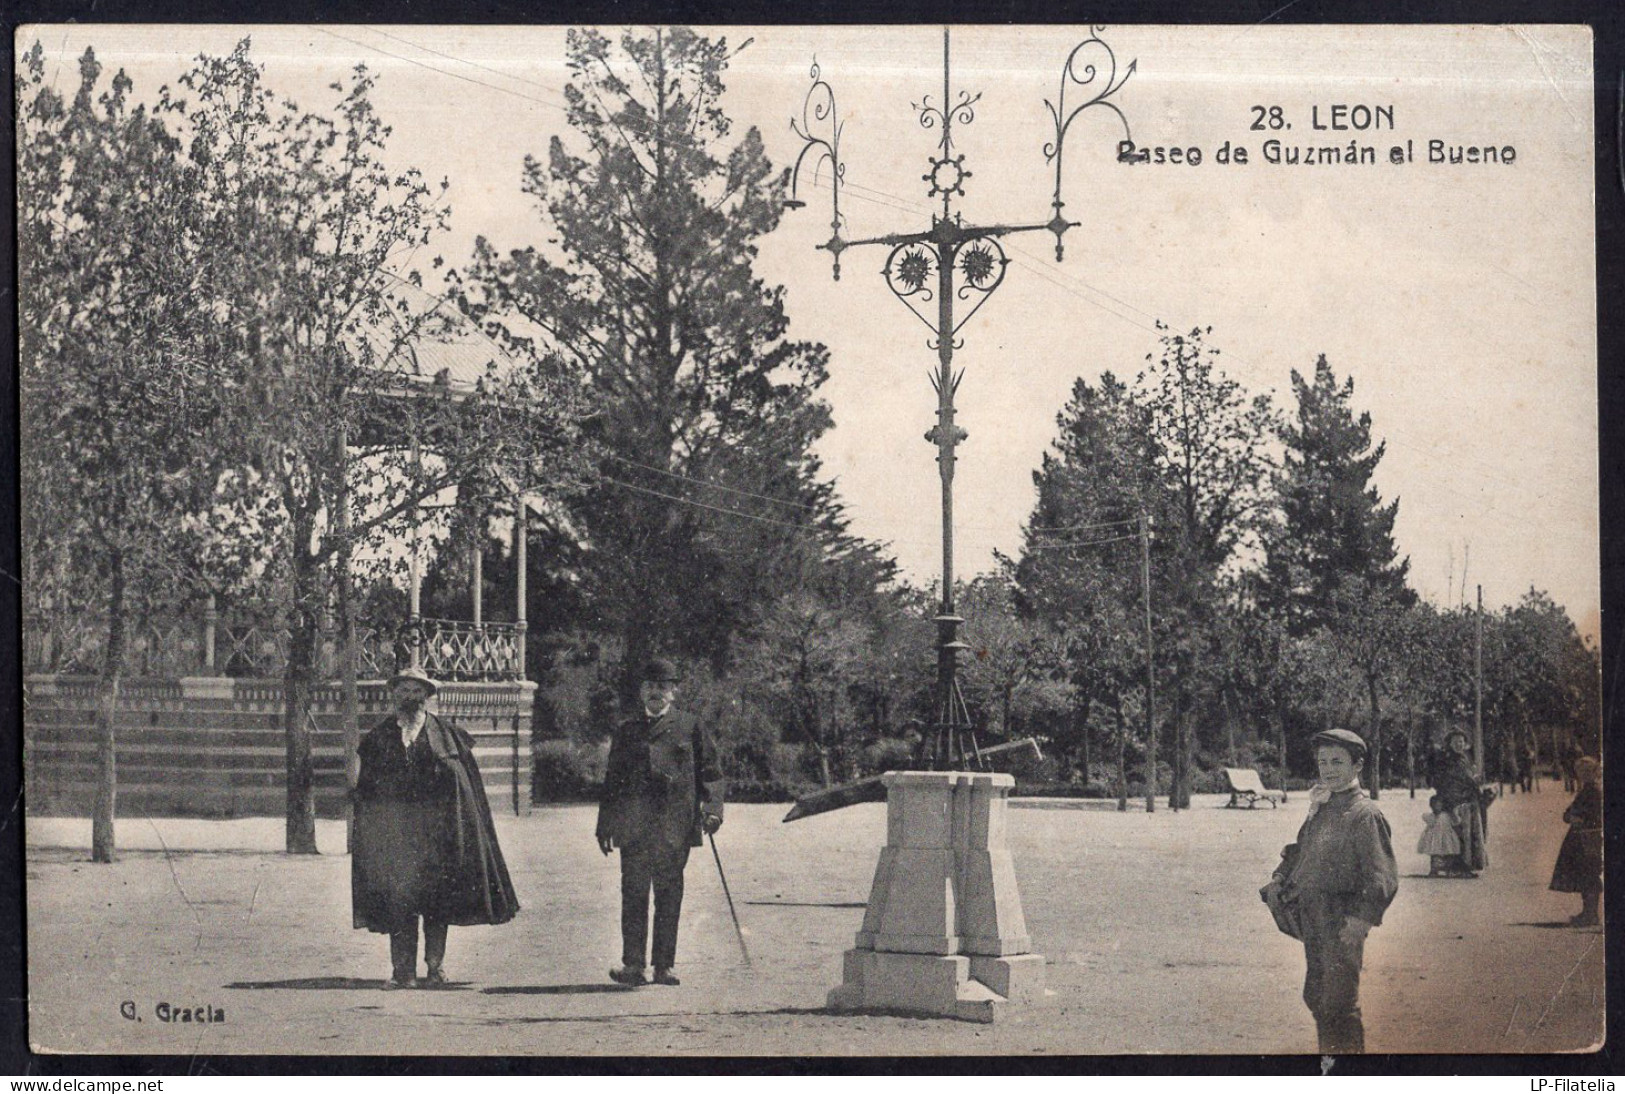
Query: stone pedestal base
point(943, 933)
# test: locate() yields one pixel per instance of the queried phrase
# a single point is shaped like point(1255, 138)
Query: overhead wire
point(1084, 527)
point(801, 506)
point(705, 505)
point(1087, 543)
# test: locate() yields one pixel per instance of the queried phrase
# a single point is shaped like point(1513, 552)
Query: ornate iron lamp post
point(951, 263)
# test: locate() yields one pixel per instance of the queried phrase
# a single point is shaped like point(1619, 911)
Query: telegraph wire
point(1086, 543)
point(1084, 527)
point(438, 71)
point(811, 527)
point(800, 506)
point(473, 64)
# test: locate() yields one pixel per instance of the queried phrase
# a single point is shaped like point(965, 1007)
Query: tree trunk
point(1179, 794)
point(107, 691)
point(297, 681)
point(1410, 753)
point(1122, 761)
point(351, 700)
point(638, 647)
point(1229, 726)
point(1280, 717)
point(1373, 755)
point(1080, 722)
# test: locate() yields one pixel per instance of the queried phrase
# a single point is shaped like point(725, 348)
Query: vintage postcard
point(810, 540)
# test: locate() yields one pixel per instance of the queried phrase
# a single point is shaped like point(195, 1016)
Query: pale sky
point(1461, 298)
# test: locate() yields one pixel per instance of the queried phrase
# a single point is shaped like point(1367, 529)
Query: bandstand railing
point(224, 645)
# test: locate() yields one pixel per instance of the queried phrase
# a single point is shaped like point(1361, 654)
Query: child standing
point(1439, 839)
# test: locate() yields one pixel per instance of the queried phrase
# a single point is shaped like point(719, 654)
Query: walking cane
point(739, 931)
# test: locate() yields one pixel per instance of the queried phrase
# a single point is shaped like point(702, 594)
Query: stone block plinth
point(943, 932)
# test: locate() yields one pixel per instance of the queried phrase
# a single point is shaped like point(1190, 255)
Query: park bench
point(1245, 785)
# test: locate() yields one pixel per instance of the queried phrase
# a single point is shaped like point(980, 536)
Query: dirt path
point(1154, 935)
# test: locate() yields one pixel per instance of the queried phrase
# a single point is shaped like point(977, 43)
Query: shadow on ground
point(807, 904)
point(334, 983)
point(558, 989)
point(536, 1019)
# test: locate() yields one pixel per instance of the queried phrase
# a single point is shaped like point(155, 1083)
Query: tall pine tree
point(706, 413)
point(1332, 527)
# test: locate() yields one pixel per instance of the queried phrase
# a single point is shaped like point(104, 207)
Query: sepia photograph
point(689, 541)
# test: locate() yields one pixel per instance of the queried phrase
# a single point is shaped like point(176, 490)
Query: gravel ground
point(1154, 936)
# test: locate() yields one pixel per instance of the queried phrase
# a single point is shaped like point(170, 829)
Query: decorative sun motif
point(947, 176)
point(912, 270)
point(978, 264)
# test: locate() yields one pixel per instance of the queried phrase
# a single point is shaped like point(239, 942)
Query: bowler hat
point(1341, 738)
point(416, 676)
point(660, 671)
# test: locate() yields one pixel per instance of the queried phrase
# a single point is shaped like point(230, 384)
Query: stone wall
point(213, 746)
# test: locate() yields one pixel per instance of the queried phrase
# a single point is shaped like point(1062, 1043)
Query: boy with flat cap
point(1333, 886)
point(662, 789)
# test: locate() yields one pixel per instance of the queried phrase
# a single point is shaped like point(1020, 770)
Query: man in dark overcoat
point(662, 790)
point(1335, 883)
point(423, 844)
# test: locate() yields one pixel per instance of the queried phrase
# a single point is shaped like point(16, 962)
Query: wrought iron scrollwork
point(817, 112)
point(911, 272)
point(982, 264)
point(1091, 66)
point(963, 112)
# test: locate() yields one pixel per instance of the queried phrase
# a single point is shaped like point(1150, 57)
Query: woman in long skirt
point(1579, 861)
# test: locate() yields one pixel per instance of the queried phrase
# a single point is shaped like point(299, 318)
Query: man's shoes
point(1581, 920)
point(664, 976)
point(435, 977)
point(398, 981)
point(630, 976)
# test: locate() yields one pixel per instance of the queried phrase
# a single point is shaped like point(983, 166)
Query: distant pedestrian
point(1439, 839)
point(1579, 860)
point(1571, 756)
point(424, 844)
point(1333, 885)
point(1455, 781)
point(662, 791)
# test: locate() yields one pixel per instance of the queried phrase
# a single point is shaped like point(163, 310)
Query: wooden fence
point(214, 746)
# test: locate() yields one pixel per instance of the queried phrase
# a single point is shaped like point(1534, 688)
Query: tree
point(1368, 624)
point(705, 411)
point(117, 391)
point(1212, 440)
point(1212, 447)
point(335, 417)
point(1332, 524)
point(1006, 673)
point(807, 658)
point(1079, 574)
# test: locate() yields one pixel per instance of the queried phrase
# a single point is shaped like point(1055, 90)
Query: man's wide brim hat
point(1341, 738)
point(416, 676)
point(661, 671)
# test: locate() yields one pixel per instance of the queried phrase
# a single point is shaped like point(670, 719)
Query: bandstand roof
point(452, 347)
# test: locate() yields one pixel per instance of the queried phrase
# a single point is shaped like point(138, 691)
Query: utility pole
point(1150, 669)
point(951, 262)
point(1478, 687)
